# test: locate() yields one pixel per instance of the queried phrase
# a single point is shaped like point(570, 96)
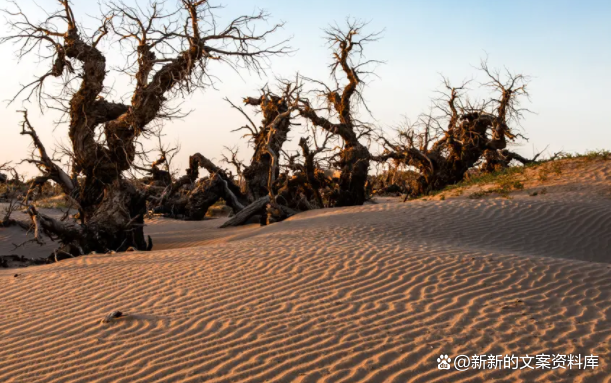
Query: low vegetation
point(479, 184)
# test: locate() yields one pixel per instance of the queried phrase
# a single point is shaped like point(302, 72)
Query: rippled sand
point(364, 294)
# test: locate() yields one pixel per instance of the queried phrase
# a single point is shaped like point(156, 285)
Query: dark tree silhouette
point(258, 177)
point(347, 45)
point(472, 134)
point(167, 53)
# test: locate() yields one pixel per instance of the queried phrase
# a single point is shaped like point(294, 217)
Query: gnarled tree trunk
point(256, 174)
point(354, 157)
point(104, 134)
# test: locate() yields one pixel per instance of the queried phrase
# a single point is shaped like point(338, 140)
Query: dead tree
point(315, 177)
point(347, 47)
point(262, 175)
point(304, 189)
point(506, 109)
point(190, 197)
point(271, 106)
point(258, 176)
point(276, 210)
point(171, 52)
point(472, 133)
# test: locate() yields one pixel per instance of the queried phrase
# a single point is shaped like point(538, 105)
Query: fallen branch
point(257, 207)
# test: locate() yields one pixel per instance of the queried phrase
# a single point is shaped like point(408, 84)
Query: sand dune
point(364, 294)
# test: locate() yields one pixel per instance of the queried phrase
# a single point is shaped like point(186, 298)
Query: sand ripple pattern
point(364, 294)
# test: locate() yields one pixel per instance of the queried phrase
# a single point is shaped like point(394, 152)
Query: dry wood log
point(255, 208)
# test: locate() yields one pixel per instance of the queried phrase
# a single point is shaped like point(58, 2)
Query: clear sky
point(564, 45)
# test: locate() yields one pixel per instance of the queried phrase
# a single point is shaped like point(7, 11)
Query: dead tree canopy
point(300, 188)
point(191, 199)
point(339, 115)
point(273, 195)
point(443, 147)
point(167, 53)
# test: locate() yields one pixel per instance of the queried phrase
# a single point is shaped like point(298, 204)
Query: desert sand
point(363, 294)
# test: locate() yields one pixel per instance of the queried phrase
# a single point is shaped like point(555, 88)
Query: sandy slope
point(365, 294)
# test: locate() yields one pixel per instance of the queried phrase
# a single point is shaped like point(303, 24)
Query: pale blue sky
point(564, 45)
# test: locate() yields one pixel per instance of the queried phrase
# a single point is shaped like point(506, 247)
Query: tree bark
point(256, 175)
point(104, 135)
